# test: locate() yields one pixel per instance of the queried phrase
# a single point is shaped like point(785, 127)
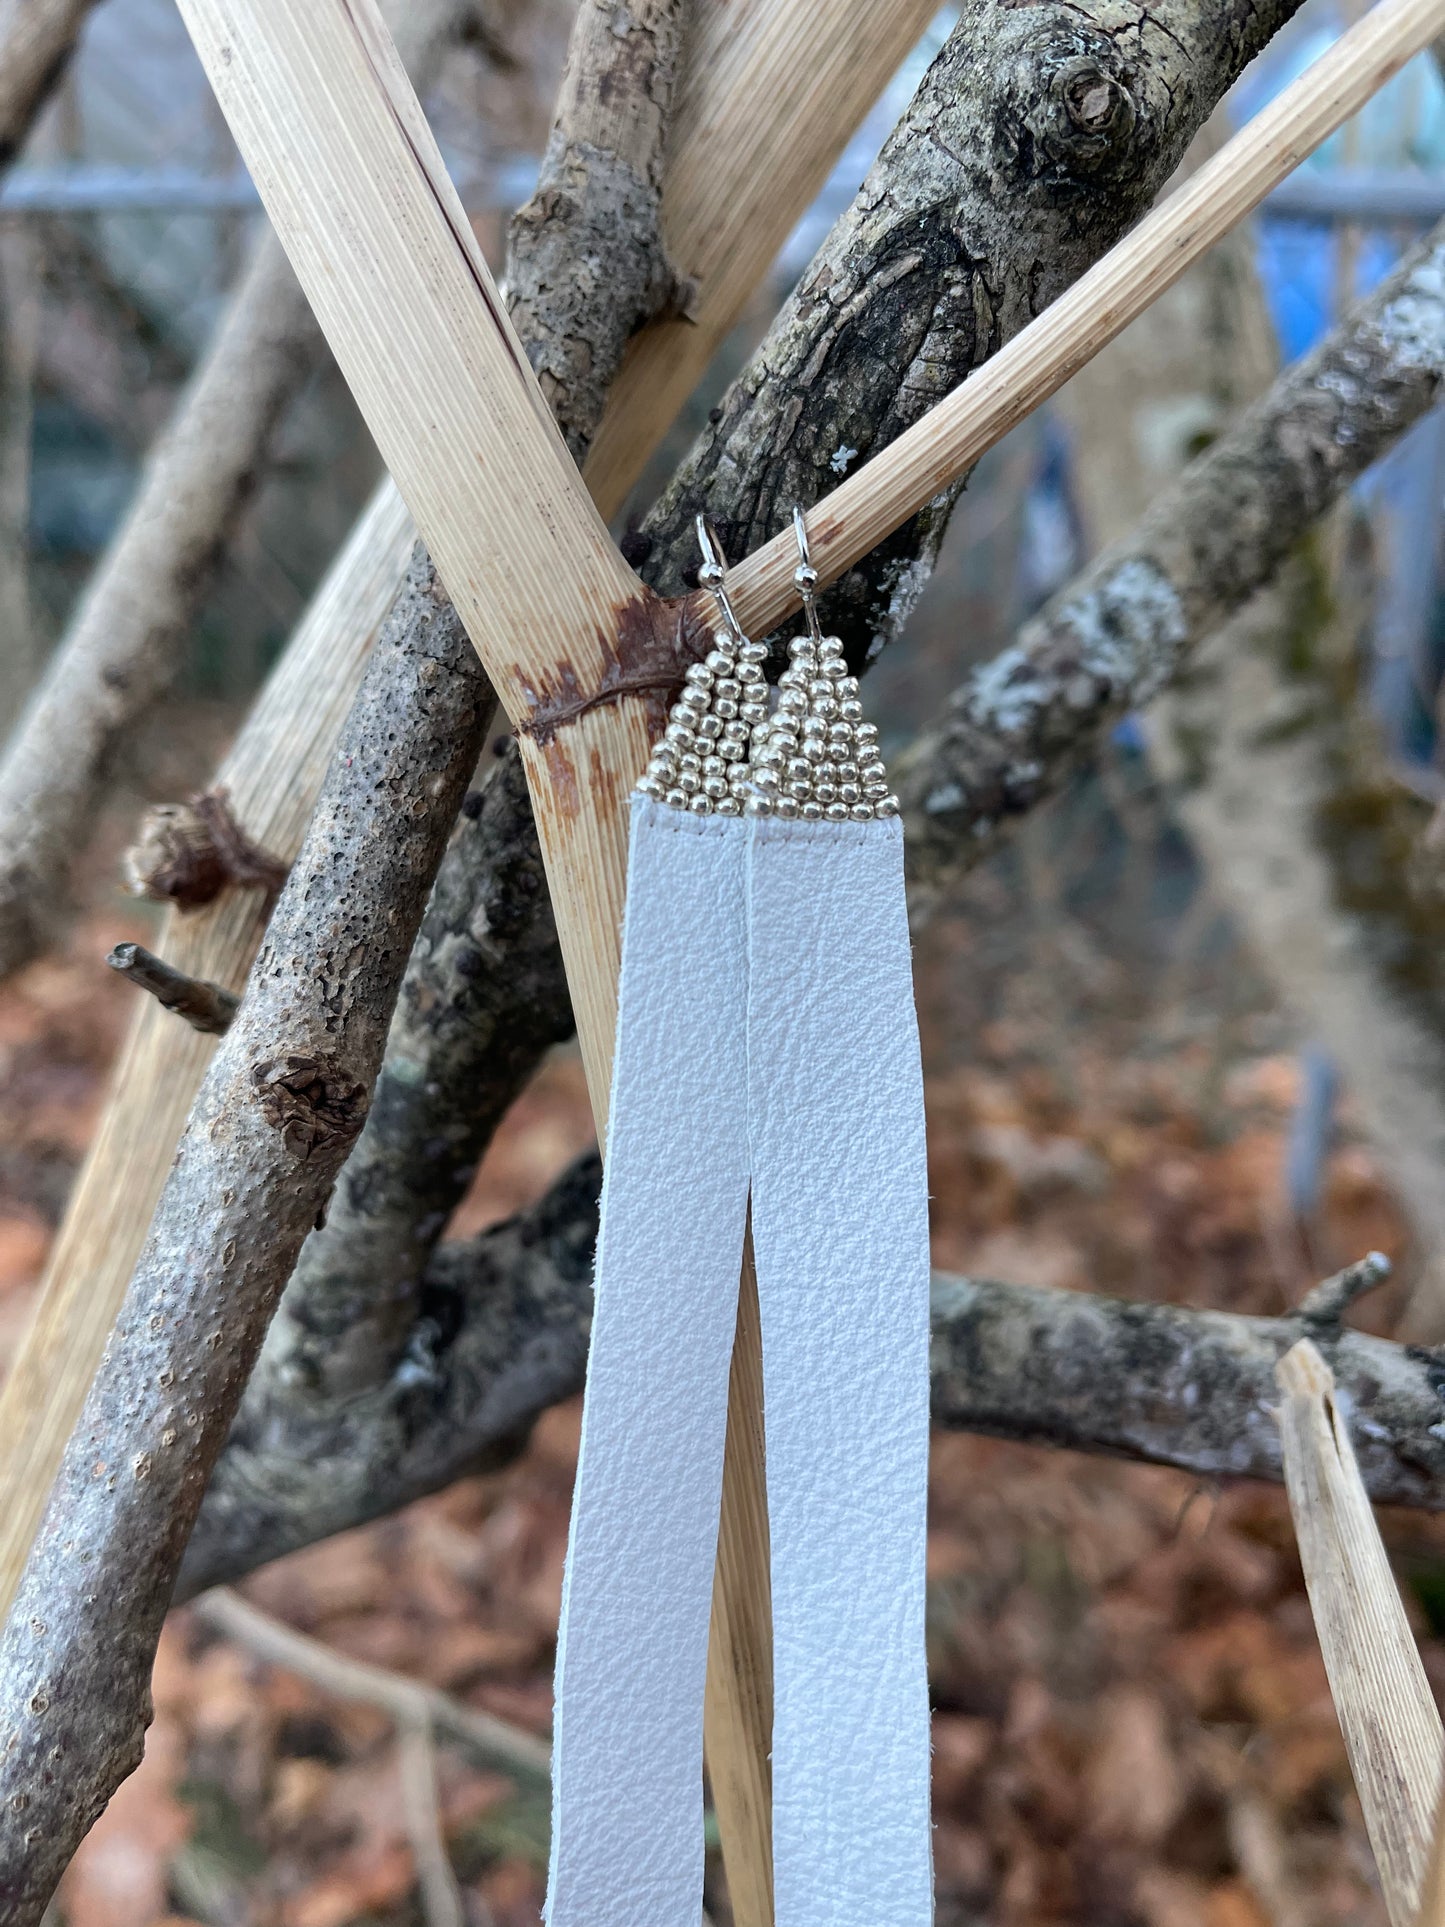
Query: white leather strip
point(840, 1233)
point(627, 1813)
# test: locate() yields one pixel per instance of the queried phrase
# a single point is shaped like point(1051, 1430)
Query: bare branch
point(484, 1738)
point(281, 1106)
point(586, 265)
point(204, 1006)
point(37, 38)
point(1115, 637)
point(505, 1331)
point(929, 229)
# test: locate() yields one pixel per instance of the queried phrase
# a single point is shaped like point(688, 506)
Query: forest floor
point(1132, 1723)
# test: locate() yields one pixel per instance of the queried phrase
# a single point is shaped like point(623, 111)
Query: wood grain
point(1386, 1710)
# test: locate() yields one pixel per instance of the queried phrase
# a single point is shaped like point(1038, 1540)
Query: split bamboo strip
point(1432, 1893)
point(771, 94)
point(272, 776)
point(1392, 1730)
point(881, 495)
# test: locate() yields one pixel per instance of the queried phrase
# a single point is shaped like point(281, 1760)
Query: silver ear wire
point(710, 577)
point(805, 576)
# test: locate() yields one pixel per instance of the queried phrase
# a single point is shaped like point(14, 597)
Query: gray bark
point(1038, 137)
point(505, 1336)
point(1115, 637)
point(586, 265)
point(280, 1108)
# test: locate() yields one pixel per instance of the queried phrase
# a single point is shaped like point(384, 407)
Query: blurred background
point(1129, 1091)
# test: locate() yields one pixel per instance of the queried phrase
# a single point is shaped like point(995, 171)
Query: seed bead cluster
point(700, 762)
point(814, 757)
point(725, 753)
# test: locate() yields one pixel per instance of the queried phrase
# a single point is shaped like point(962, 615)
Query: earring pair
point(728, 751)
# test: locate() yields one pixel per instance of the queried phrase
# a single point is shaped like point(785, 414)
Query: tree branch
point(1116, 636)
point(586, 264)
point(504, 1336)
point(934, 203)
point(1038, 137)
point(281, 1106)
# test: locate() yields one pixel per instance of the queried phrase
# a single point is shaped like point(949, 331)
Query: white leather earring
point(766, 1045)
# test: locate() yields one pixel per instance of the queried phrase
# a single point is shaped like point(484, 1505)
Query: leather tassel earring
point(766, 1045)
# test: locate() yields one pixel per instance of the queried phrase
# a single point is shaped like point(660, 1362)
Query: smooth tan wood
point(271, 775)
point(1386, 1710)
point(739, 1709)
point(772, 92)
point(881, 495)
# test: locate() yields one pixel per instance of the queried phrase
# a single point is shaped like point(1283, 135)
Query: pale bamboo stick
point(1432, 1892)
point(1392, 1730)
point(272, 775)
point(881, 495)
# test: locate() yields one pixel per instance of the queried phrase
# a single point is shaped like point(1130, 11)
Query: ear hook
point(710, 576)
point(805, 576)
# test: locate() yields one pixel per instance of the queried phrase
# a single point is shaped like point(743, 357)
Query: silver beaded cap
point(725, 751)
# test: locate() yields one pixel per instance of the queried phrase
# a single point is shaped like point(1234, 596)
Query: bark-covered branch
point(1039, 135)
point(505, 1335)
point(125, 642)
point(281, 1106)
point(203, 1005)
point(483, 998)
point(1116, 636)
point(586, 265)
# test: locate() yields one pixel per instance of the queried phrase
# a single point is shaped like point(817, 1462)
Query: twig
point(489, 1741)
point(418, 1711)
point(204, 1006)
point(1328, 1302)
point(441, 1897)
point(1387, 1714)
point(124, 645)
point(282, 1103)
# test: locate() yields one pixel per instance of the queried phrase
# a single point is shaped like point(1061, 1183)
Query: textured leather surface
point(627, 1809)
point(766, 1027)
point(840, 1235)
